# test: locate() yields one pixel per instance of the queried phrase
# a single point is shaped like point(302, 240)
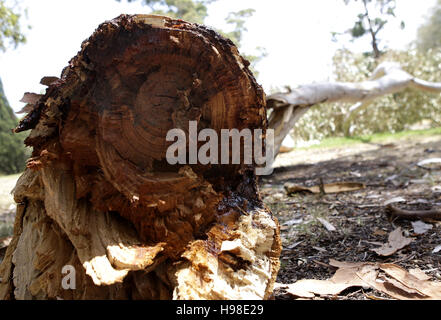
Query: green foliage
point(429, 34)
point(390, 113)
point(12, 150)
point(238, 20)
point(374, 16)
point(10, 30)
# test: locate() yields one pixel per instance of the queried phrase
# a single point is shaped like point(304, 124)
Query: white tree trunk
point(387, 78)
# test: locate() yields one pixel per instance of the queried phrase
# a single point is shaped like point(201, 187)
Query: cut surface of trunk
point(99, 194)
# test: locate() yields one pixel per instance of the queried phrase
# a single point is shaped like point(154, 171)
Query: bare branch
point(387, 78)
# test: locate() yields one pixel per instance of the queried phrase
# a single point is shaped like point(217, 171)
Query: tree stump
point(98, 195)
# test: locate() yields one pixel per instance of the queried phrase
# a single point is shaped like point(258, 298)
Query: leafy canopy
point(372, 19)
point(12, 150)
point(10, 30)
point(429, 34)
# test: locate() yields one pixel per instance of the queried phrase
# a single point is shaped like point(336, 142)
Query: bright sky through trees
point(295, 33)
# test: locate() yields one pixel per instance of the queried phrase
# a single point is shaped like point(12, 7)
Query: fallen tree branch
point(413, 214)
point(387, 78)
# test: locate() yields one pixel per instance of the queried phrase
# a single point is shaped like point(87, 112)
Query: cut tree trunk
point(99, 195)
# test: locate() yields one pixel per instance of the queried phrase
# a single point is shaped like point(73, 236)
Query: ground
point(7, 211)
point(7, 205)
point(388, 169)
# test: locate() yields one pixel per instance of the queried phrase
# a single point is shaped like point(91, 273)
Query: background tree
point(197, 11)
point(374, 15)
point(189, 10)
point(238, 21)
point(429, 34)
point(390, 113)
point(12, 150)
point(10, 29)
point(395, 74)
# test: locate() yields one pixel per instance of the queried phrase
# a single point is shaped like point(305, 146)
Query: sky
point(295, 33)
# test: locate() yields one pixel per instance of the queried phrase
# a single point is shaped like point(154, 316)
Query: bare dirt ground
point(7, 211)
point(388, 170)
point(7, 204)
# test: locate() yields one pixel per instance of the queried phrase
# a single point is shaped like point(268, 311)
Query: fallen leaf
point(418, 201)
point(418, 181)
point(396, 241)
point(293, 221)
point(391, 178)
point(420, 227)
point(373, 196)
point(385, 286)
point(340, 264)
point(303, 288)
point(379, 232)
point(424, 163)
point(342, 279)
point(387, 278)
point(374, 242)
point(406, 291)
point(295, 244)
point(326, 224)
point(394, 200)
point(319, 249)
point(420, 274)
point(372, 297)
point(322, 264)
point(355, 173)
point(366, 205)
point(437, 249)
point(432, 290)
point(327, 187)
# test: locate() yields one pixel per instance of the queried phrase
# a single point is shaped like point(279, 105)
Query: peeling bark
point(99, 195)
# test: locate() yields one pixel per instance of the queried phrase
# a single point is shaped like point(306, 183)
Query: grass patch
point(374, 138)
point(8, 177)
